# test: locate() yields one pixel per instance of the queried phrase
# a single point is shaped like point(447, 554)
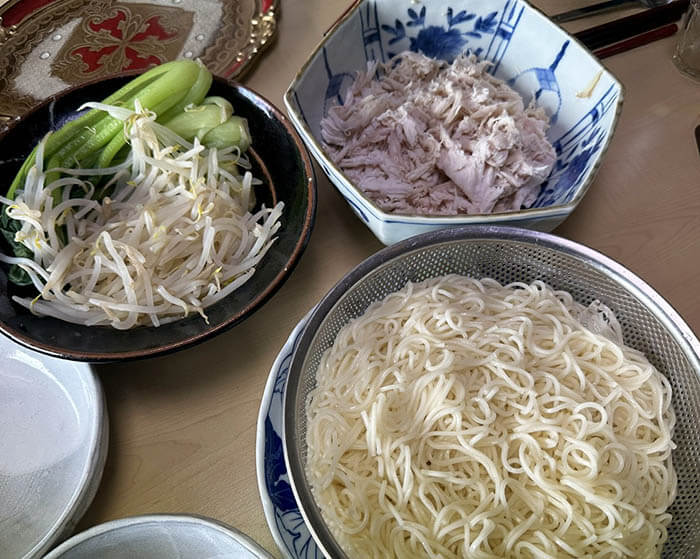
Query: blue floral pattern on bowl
point(281, 510)
point(537, 58)
point(444, 43)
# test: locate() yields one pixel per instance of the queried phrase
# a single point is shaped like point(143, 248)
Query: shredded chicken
point(421, 136)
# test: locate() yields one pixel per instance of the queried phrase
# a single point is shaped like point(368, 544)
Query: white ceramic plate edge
point(96, 465)
point(127, 522)
point(91, 474)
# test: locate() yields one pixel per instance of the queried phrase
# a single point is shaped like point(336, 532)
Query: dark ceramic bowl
point(279, 158)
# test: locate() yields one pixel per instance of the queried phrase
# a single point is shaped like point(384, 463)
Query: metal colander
point(649, 324)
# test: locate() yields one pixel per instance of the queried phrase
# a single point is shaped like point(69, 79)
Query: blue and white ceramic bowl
point(284, 518)
point(535, 56)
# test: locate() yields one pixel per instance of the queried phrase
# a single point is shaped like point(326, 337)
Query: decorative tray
point(47, 46)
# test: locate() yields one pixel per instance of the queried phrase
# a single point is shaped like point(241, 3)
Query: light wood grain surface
point(183, 426)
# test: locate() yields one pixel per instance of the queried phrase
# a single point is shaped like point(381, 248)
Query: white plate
point(281, 509)
point(160, 536)
point(53, 446)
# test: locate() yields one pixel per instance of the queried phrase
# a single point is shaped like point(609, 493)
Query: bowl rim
point(158, 519)
point(671, 320)
point(252, 305)
point(348, 187)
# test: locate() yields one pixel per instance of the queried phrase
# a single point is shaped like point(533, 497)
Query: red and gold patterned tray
point(47, 46)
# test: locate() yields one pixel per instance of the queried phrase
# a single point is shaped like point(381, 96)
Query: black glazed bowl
point(279, 158)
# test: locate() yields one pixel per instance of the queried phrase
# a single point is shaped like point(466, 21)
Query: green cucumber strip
point(194, 96)
point(94, 118)
point(57, 139)
point(232, 132)
point(195, 123)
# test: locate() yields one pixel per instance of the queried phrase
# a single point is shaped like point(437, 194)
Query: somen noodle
point(462, 418)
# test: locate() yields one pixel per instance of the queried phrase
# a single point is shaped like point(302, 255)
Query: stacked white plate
point(53, 445)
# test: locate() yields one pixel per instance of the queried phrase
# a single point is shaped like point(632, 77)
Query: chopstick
point(637, 41)
point(589, 10)
point(636, 24)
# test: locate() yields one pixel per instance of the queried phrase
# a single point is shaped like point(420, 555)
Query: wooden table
point(183, 426)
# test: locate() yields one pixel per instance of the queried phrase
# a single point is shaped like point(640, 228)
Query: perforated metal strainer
point(649, 324)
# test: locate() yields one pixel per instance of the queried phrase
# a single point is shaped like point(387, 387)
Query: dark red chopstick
point(637, 41)
point(630, 26)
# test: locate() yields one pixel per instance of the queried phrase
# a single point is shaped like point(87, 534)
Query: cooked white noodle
point(461, 418)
